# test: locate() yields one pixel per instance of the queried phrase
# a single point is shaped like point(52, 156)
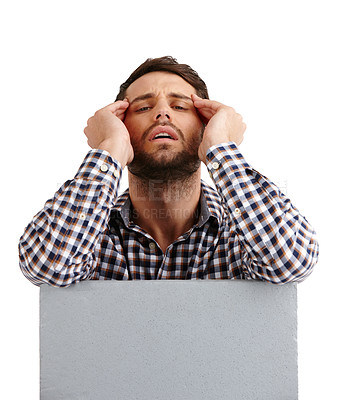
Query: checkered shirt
point(246, 229)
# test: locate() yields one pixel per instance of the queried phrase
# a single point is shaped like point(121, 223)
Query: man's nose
point(162, 115)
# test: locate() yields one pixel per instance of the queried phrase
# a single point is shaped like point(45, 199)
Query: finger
point(120, 112)
point(121, 115)
point(86, 132)
point(194, 97)
point(206, 108)
point(116, 106)
point(205, 103)
point(120, 108)
point(206, 112)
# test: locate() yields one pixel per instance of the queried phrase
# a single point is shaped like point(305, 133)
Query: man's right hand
point(106, 131)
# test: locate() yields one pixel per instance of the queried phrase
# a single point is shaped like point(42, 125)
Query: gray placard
point(169, 340)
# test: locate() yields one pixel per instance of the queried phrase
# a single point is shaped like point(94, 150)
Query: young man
point(168, 224)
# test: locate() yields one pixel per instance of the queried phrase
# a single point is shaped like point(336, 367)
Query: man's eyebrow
point(151, 95)
point(142, 97)
point(179, 96)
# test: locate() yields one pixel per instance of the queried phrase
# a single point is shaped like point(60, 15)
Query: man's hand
point(223, 124)
point(106, 131)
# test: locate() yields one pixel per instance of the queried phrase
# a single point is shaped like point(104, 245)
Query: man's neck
point(166, 210)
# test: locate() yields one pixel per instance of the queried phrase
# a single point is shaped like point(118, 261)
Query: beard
point(165, 166)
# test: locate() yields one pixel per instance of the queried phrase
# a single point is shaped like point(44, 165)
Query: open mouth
point(163, 133)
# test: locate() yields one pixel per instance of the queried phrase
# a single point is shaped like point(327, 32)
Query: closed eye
point(180, 107)
point(141, 109)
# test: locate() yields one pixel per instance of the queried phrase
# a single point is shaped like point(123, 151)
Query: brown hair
point(166, 64)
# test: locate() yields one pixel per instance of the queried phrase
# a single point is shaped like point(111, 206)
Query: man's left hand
point(223, 124)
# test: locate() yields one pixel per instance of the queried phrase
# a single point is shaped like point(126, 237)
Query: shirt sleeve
point(278, 244)
point(57, 247)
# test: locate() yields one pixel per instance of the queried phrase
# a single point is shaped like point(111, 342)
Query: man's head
point(166, 64)
point(165, 128)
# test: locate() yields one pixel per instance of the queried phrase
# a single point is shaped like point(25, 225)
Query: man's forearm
point(57, 247)
point(279, 244)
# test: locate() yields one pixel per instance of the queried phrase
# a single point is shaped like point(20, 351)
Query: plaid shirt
point(247, 229)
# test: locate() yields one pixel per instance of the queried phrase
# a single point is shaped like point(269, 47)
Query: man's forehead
point(159, 82)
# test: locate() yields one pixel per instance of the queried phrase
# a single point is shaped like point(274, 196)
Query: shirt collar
point(210, 206)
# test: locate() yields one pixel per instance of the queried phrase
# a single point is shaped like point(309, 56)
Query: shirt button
point(215, 165)
point(116, 174)
point(237, 211)
point(104, 168)
point(82, 216)
point(152, 246)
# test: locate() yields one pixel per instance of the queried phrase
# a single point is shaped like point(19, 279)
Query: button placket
point(104, 168)
point(215, 165)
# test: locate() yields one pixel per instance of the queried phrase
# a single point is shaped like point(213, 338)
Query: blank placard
point(169, 340)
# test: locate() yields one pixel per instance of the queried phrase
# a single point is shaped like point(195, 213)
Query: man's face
point(164, 127)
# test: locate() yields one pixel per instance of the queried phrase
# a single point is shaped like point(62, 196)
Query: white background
point(275, 62)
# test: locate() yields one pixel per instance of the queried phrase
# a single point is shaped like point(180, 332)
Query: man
point(168, 224)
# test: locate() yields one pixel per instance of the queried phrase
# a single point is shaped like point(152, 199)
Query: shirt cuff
point(226, 157)
point(99, 166)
